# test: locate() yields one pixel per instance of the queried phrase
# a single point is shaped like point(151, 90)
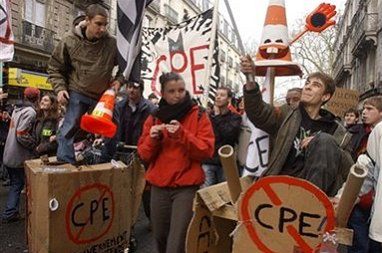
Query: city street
point(13, 238)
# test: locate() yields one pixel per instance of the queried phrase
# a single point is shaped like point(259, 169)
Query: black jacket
point(226, 129)
point(43, 129)
point(130, 125)
point(359, 132)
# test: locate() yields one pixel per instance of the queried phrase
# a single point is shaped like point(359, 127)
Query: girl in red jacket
point(174, 142)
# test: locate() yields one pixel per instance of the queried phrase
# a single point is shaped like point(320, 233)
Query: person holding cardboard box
point(174, 142)
point(307, 141)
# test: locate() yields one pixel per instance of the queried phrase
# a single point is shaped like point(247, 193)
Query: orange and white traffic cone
point(274, 50)
point(100, 121)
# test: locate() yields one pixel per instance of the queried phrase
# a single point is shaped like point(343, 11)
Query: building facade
point(38, 25)
point(358, 47)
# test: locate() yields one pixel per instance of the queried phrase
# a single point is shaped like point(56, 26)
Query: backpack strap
point(371, 159)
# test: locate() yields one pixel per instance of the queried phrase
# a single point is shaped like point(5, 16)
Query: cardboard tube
point(228, 160)
point(352, 188)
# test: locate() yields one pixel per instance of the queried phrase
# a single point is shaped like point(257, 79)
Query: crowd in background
point(177, 139)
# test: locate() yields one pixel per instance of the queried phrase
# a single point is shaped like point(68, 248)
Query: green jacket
point(282, 124)
point(83, 66)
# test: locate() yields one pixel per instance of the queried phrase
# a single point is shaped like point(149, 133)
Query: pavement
point(13, 235)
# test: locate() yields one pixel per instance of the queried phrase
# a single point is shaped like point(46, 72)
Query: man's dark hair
point(167, 77)
point(352, 110)
point(96, 9)
point(141, 84)
point(327, 80)
point(152, 96)
point(229, 91)
point(375, 101)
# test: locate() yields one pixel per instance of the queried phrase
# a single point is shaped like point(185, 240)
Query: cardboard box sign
point(283, 214)
point(214, 220)
point(275, 214)
point(73, 210)
point(342, 100)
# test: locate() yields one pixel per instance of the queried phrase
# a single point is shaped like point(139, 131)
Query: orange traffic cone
point(274, 48)
point(100, 121)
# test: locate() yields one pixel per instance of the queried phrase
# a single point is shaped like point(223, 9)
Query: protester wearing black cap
point(19, 147)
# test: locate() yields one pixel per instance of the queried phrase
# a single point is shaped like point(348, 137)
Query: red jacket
point(176, 161)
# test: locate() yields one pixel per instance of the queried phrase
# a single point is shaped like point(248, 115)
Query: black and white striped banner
point(130, 14)
point(181, 48)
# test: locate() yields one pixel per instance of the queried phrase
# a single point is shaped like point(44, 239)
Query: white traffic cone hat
point(274, 48)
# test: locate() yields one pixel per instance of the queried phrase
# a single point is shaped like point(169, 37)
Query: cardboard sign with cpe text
point(282, 214)
point(84, 210)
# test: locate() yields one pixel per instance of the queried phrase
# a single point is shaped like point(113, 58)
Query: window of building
point(230, 61)
point(222, 55)
point(229, 84)
point(222, 81)
point(35, 12)
point(206, 4)
point(171, 13)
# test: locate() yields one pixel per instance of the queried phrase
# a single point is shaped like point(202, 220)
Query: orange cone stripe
point(108, 101)
point(275, 15)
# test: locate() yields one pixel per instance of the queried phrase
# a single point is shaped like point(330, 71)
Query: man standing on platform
point(80, 70)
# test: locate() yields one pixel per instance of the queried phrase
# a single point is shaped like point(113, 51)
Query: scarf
point(167, 112)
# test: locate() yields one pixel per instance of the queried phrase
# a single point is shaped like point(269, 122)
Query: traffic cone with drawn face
point(100, 121)
point(274, 50)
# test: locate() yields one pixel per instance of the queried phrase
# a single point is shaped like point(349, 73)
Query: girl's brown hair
point(53, 111)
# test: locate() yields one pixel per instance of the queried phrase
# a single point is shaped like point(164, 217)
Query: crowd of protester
point(177, 139)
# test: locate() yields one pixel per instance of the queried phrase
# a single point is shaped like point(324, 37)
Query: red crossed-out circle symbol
point(281, 212)
point(89, 213)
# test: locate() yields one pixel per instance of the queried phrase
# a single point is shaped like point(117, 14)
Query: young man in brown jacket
point(80, 70)
point(307, 141)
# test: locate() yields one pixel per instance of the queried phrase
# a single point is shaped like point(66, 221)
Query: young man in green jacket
point(80, 70)
point(307, 141)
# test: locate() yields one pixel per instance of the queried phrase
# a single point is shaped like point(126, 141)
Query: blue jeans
point(16, 176)
point(360, 221)
point(214, 174)
point(78, 106)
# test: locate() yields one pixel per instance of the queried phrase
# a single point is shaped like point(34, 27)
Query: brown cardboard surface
point(275, 215)
point(214, 220)
point(344, 236)
point(201, 234)
point(92, 211)
point(350, 193)
point(342, 100)
point(138, 186)
point(228, 160)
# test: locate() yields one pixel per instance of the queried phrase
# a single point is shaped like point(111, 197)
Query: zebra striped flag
point(130, 14)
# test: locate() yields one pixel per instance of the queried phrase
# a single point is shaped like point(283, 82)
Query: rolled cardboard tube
point(228, 160)
point(352, 188)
